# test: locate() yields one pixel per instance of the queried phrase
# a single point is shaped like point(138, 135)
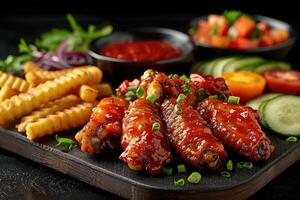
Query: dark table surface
point(23, 179)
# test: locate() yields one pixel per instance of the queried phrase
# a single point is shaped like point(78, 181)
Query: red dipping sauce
point(141, 50)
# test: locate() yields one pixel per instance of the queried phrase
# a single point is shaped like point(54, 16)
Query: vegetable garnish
point(179, 182)
point(140, 92)
point(167, 171)
point(155, 126)
point(66, 143)
point(181, 168)
point(180, 98)
point(186, 88)
point(151, 98)
point(201, 94)
point(233, 99)
point(229, 165)
point(244, 165)
point(225, 174)
point(213, 97)
point(130, 95)
point(177, 109)
point(132, 88)
point(291, 139)
point(194, 177)
point(183, 77)
point(232, 15)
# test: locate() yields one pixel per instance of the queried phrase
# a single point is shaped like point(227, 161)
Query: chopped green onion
point(132, 88)
point(179, 182)
point(183, 77)
point(67, 143)
point(181, 168)
point(194, 177)
point(244, 165)
point(180, 98)
point(155, 126)
point(229, 165)
point(177, 109)
point(291, 139)
point(129, 95)
point(140, 92)
point(225, 174)
point(186, 88)
point(151, 98)
point(201, 92)
point(213, 97)
point(233, 99)
point(167, 171)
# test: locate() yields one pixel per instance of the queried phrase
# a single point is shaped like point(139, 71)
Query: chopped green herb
point(167, 171)
point(233, 99)
point(66, 143)
point(256, 34)
point(291, 139)
point(132, 88)
point(186, 88)
point(179, 182)
point(155, 126)
point(183, 77)
point(140, 92)
point(231, 16)
point(194, 177)
point(180, 98)
point(225, 174)
point(213, 97)
point(177, 109)
point(214, 30)
point(201, 93)
point(244, 165)
point(181, 168)
point(130, 95)
point(151, 98)
point(229, 165)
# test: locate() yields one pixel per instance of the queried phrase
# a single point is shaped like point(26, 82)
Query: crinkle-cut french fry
point(14, 82)
point(104, 89)
point(73, 117)
point(50, 108)
point(31, 66)
point(88, 93)
point(6, 92)
point(37, 77)
point(24, 103)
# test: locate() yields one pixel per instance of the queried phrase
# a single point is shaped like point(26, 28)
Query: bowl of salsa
point(131, 52)
point(234, 32)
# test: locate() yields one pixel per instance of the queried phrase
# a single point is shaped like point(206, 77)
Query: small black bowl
point(278, 51)
point(118, 68)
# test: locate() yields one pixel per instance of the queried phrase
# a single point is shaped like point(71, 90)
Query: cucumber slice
point(198, 67)
point(255, 103)
point(242, 63)
point(282, 115)
point(217, 70)
point(271, 65)
point(207, 70)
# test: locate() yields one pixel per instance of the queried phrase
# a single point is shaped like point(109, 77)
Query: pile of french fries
point(46, 102)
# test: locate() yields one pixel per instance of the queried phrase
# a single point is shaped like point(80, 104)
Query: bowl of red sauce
point(234, 32)
point(131, 52)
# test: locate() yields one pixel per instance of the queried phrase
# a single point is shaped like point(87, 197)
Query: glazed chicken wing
point(189, 136)
point(237, 127)
point(104, 130)
point(144, 143)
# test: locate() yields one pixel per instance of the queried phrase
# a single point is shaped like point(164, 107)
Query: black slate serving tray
point(110, 174)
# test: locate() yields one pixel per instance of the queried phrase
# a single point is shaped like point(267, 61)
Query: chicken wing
point(237, 127)
point(104, 129)
point(144, 143)
point(191, 139)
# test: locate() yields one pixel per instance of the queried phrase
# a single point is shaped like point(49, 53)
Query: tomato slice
point(245, 84)
point(242, 27)
point(284, 81)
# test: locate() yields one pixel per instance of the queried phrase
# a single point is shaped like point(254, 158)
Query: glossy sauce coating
point(143, 147)
point(104, 130)
point(191, 139)
point(237, 127)
point(141, 50)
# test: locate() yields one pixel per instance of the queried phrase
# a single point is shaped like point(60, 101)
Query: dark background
point(23, 179)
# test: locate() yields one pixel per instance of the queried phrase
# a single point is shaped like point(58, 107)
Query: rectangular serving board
point(109, 173)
